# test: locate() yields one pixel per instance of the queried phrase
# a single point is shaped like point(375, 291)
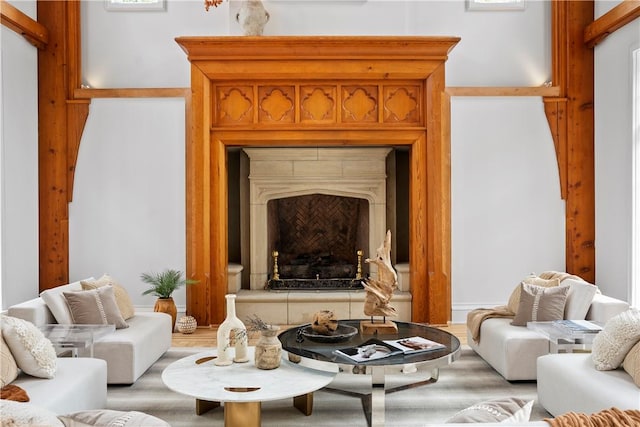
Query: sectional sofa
point(513, 351)
point(128, 352)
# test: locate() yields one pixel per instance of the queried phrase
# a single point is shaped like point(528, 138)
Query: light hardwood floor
point(205, 336)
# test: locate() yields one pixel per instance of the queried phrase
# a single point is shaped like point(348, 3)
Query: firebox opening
point(317, 238)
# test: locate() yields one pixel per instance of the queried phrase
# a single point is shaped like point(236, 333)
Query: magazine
point(370, 350)
point(415, 344)
point(577, 326)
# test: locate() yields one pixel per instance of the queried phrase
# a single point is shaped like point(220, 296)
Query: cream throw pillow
point(56, 303)
point(33, 352)
point(25, 414)
point(631, 363)
point(110, 418)
point(8, 367)
point(514, 299)
point(615, 340)
point(95, 307)
point(579, 298)
point(505, 411)
point(123, 300)
point(539, 304)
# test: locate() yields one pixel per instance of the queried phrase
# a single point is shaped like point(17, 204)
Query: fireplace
point(317, 242)
point(322, 93)
point(317, 207)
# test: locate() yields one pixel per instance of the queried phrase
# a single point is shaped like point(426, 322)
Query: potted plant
point(162, 285)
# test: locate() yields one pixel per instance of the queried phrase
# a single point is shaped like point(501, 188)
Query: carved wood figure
point(379, 291)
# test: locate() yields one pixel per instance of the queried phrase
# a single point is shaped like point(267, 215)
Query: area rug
point(469, 380)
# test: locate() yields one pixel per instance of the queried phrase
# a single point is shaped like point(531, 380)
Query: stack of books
point(376, 349)
point(577, 327)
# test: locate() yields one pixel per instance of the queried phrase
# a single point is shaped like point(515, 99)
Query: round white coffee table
point(242, 386)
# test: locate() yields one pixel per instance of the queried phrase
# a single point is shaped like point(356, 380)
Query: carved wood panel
point(327, 104)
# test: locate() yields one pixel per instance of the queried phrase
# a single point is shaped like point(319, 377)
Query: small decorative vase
point(235, 325)
point(187, 324)
point(252, 17)
point(268, 349)
point(167, 305)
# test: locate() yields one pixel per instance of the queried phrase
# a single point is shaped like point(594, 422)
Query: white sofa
point(570, 382)
point(514, 350)
point(79, 384)
point(129, 352)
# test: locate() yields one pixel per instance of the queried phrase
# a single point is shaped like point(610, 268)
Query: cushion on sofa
point(615, 340)
point(23, 414)
point(122, 296)
point(539, 304)
point(579, 298)
point(631, 363)
point(107, 417)
point(506, 411)
point(95, 307)
point(8, 366)
point(33, 352)
point(514, 299)
point(56, 303)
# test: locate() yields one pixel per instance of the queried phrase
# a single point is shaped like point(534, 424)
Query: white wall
point(128, 210)
point(507, 214)
point(614, 156)
point(19, 166)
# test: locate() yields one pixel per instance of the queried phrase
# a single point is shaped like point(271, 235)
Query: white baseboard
point(459, 311)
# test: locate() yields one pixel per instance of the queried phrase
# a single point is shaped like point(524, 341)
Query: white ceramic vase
point(252, 17)
point(235, 325)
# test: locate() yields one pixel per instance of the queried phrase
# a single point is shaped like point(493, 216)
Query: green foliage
point(163, 284)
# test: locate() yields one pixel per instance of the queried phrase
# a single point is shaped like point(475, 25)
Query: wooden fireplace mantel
point(319, 91)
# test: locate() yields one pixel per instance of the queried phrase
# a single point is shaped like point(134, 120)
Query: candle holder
point(276, 276)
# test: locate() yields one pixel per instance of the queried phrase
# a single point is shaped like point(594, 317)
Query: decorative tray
point(343, 333)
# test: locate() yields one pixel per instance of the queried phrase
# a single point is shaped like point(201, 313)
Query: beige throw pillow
point(514, 299)
point(123, 300)
point(505, 411)
point(631, 363)
point(539, 304)
point(8, 367)
point(33, 352)
point(95, 307)
point(615, 340)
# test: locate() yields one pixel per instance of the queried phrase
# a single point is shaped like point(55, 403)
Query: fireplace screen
point(317, 238)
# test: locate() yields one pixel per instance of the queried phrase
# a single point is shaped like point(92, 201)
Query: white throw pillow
point(508, 410)
point(32, 351)
point(579, 298)
point(619, 334)
point(23, 414)
point(57, 304)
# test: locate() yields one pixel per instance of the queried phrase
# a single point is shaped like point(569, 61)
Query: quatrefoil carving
point(360, 105)
point(235, 105)
point(318, 104)
point(401, 104)
point(276, 105)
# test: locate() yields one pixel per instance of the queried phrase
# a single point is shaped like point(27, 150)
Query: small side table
point(561, 341)
point(74, 337)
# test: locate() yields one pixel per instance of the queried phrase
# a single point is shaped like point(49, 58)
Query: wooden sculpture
point(379, 291)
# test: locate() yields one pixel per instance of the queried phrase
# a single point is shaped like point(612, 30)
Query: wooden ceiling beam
point(616, 18)
point(17, 21)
